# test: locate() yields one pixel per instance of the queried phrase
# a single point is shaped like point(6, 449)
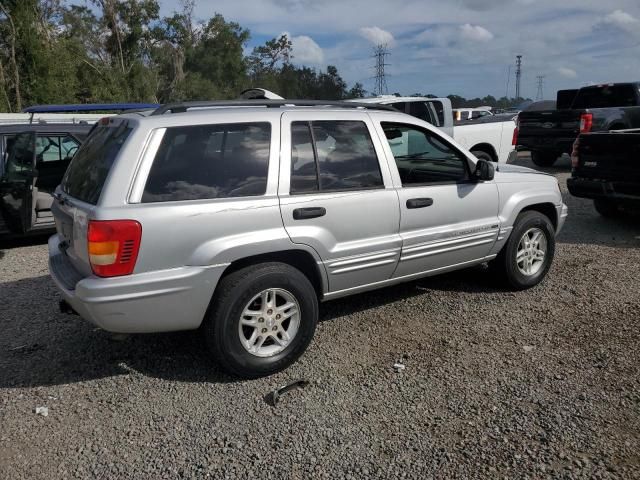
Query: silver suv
point(239, 217)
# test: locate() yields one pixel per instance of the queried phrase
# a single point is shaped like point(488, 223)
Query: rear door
point(16, 183)
point(337, 197)
point(447, 219)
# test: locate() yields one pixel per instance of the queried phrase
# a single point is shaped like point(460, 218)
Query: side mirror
point(484, 170)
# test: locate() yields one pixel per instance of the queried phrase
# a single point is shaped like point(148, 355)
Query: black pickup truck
point(550, 133)
point(606, 168)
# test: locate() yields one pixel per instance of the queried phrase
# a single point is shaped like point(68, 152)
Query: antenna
point(506, 93)
point(380, 53)
point(540, 81)
point(518, 74)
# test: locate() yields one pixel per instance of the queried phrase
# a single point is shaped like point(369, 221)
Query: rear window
point(210, 161)
point(89, 168)
point(606, 96)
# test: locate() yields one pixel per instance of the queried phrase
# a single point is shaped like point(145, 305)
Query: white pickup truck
point(489, 138)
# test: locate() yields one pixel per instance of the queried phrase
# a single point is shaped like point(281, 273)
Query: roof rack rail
point(184, 106)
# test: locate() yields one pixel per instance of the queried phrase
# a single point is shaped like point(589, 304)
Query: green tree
point(215, 67)
point(357, 91)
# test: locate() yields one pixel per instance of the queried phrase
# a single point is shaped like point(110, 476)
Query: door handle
point(419, 202)
point(309, 212)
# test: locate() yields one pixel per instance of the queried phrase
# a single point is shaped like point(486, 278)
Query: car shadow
point(10, 242)
point(41, 346)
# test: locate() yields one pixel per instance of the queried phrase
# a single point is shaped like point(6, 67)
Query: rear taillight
point(575, 157)
point(514, 139)
point(586, 122)
point(113, 246)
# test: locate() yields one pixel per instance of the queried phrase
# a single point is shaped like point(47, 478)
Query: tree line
point(123, 50)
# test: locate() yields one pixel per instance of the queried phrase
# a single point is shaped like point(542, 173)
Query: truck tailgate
point(609, 156)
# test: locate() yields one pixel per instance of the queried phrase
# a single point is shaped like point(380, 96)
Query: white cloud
point(475, 33)
point(306, 50)
point(621, 19)
point(567, 72)
point(377, 35)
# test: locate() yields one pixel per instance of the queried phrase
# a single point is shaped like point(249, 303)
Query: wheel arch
point(541, 199)
point(486, 148)
point(548, 209)
point(297, 258)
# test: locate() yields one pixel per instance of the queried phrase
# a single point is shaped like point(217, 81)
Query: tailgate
point(77, 197)
point(72, 218)
point(549, 124)
point(609, 156)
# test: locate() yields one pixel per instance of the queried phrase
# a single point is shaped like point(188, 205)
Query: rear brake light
point(514, 140)
point(575, 157)
point(113, 246)
point(586, 122)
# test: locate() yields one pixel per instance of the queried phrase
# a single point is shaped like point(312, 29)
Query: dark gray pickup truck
point(550, 133)
point(606, 168)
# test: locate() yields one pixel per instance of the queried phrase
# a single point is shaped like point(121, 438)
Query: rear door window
point(87, 172)
point(333, 156)
point(210, 161)
point(47, 149)
point(421, 110)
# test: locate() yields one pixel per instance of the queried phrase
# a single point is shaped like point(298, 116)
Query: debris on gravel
point(44, 411)
point(474, 402)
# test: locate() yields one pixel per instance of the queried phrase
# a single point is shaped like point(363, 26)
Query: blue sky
point(445, 47)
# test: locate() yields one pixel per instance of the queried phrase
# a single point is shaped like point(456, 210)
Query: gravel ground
point(542, 383)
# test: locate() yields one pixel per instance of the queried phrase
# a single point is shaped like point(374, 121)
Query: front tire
point(543, 159)
point(262, 318)
point(526, 258)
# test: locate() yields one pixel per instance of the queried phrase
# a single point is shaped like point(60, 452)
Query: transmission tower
point(380, 53)
point(518, 74)
point(540, 81)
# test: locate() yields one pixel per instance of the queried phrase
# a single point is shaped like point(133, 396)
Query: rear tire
point(520, 263)
point(228, 329)
point(480, 155)
point(544, 159)
point(607, 208)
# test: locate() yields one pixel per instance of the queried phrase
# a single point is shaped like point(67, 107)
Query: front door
point(16, 184)
point(337, 197)
point(447, 219)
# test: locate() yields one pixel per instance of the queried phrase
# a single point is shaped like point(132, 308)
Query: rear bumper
point(616, 190)
point(546, 144)
point(161, 301)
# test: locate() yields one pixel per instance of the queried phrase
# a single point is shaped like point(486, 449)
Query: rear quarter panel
point(496, 134)
point(204, 232)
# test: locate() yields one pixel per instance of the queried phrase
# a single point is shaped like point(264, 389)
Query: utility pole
point(380, 53)
point(540, 81)
point(518, 74)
